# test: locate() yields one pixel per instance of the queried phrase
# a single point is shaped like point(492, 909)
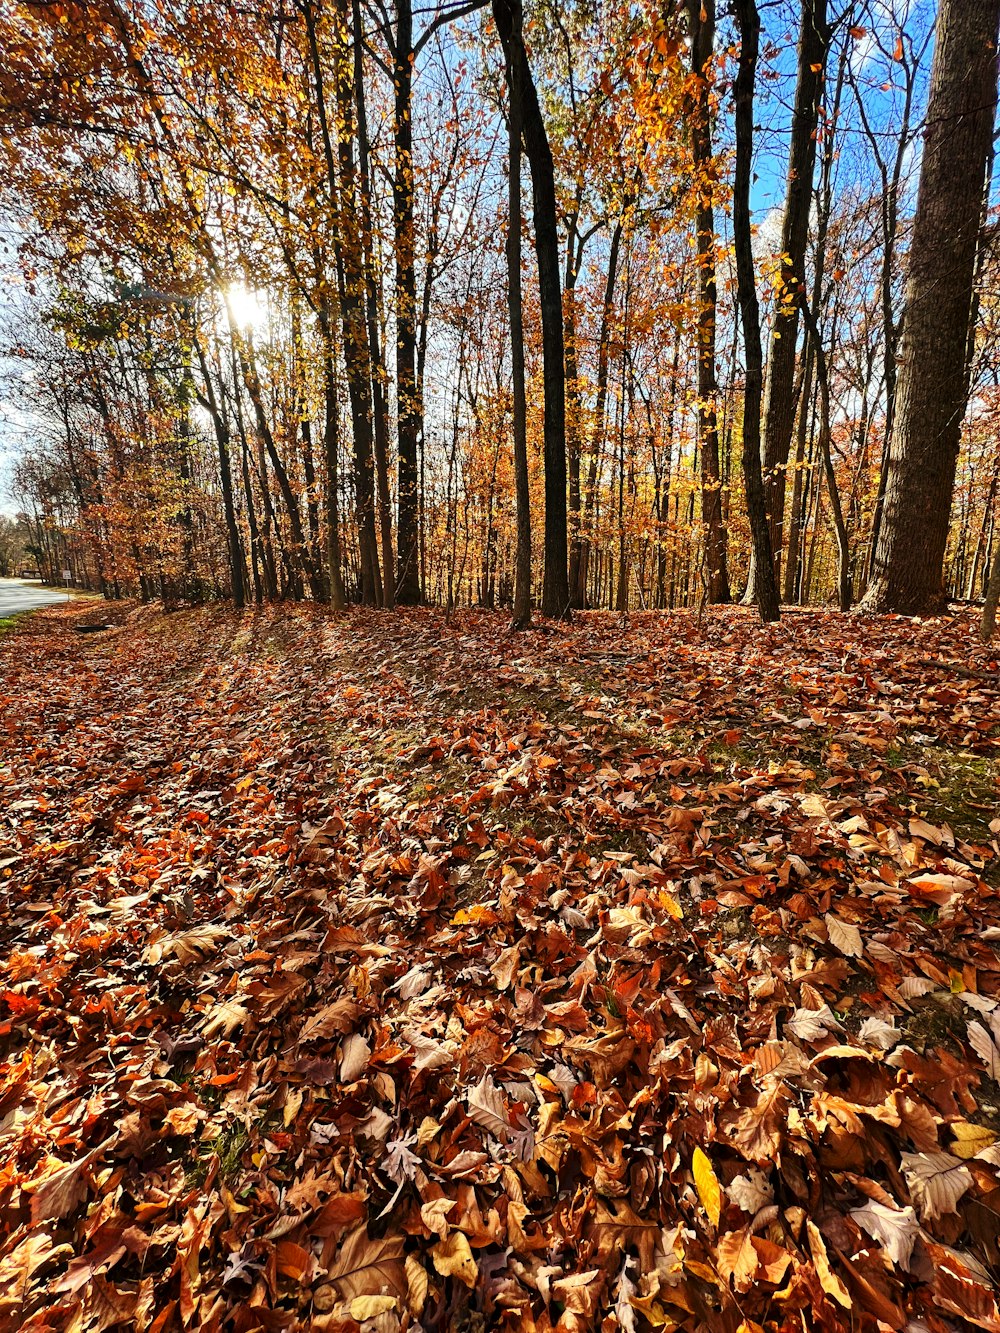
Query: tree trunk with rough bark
point(931, 392)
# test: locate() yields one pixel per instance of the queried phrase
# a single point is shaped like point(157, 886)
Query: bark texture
point(555, 581)
point(931, 392)
point(701, 25)
point(765, 587)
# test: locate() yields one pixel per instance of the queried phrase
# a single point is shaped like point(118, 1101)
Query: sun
point(245, 310)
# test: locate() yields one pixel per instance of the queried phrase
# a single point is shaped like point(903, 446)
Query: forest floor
point(396, 972)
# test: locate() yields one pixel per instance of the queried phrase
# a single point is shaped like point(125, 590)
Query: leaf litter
point(404, 973)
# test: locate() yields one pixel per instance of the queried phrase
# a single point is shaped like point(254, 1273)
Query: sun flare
point(245, 309)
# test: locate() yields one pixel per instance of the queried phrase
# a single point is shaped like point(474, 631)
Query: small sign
point(67, 575)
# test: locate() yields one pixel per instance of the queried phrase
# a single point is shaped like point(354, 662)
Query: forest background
point(260, 302)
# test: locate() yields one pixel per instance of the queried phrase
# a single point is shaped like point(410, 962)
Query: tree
point(765, 584)
point(522, 567)
point(932, 388)
point(701, 24)
point(779, 404)
point(555, 578)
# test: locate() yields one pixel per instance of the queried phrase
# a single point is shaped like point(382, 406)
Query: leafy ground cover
point(399, 972)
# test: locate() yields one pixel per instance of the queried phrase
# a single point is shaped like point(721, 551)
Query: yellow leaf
point(370, 1307)
point(670, 905)
point(970, 1139)
point(417, 1284)
point(453, 1258)
point(479, 915)
point(828, 1279)
point(433, 1216)
point(707, 1183)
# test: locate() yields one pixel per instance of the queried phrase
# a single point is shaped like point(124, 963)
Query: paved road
point(20, 595)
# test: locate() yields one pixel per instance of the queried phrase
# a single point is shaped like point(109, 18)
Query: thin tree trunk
point(579, 589)
point(522, 565)
point(555, 580)
point(351, 293)
point(765, 584)
point(701, 24)
point(779, 404)
point(380, 404)
point(989, 621)
point(408, 403)
point(226, 478)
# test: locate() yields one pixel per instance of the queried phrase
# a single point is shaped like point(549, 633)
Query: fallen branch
point(957, 669)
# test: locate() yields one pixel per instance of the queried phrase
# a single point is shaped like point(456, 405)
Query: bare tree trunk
point(555, 581)
point(579, 588)
point(351, 292)
point(765, 589)
point(779, 405)
point(931, 393)
point(701, 24)
point(226, 478)
point(522, 565)
point(989, 621)
point(376, 356)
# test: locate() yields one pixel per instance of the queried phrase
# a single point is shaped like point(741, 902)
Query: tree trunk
point(522, 565)
point(931, 392)
point(376, 357)
point(701, 24)
point(555, 581)
point(408, 407)
point(579, 587)
point(989, 621)
point(226, 478)
point(765, 585)
point(779, 405)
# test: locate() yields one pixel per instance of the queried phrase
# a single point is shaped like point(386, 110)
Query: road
point(19, 595)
